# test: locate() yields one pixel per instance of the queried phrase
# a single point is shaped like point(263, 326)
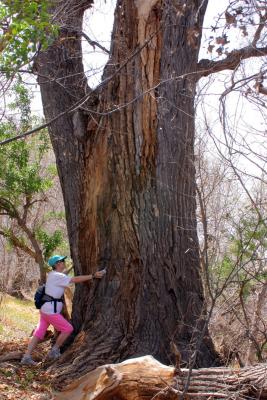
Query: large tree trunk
point(129, 183)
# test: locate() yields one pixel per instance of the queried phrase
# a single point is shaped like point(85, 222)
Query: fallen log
point(13, 355)
point(145, 378)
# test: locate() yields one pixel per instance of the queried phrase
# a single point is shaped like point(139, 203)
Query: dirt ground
point(24, 382)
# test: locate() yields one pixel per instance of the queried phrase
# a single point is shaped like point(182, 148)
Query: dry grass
point(17, 318)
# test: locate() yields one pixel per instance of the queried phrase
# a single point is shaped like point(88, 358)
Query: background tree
point(233, 257)
point(25, 185)
point(242, 273)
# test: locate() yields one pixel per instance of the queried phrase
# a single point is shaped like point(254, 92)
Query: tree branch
point(262, 89)
point(18, 243)
point(8, 207)
point(93, 43)
point(259, 29)
point(207, 67)
point(45, 125)
point(26, 207)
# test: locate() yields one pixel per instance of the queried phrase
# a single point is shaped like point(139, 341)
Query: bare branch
point(233, 59)
point(259, 29)
point(93, 43)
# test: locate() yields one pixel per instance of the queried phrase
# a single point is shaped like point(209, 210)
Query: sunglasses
point(60, 261)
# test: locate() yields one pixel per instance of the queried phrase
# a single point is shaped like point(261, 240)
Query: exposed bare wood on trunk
point(145, 378)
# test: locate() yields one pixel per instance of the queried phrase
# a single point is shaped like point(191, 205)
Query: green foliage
point(60, 216)
point(21, 102)
point(24, 182)
point(226, 266)
point(247, 287)
point(25, 26)
point(243, 264)
point(20, 161)
point(251, 237)
point(50, 242)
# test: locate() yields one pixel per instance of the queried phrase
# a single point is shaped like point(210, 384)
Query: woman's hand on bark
point(99, 274)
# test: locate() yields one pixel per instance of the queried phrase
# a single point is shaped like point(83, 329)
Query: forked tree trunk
point(129, 183)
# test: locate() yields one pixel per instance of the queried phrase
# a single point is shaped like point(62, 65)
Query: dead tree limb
point(145, 378)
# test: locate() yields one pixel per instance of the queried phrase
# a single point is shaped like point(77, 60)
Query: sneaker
point(54, 353)
point(27, 360)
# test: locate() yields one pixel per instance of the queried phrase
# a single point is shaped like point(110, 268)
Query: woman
point(50, 312)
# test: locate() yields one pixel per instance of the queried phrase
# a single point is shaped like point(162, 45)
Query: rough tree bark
point(126, 163)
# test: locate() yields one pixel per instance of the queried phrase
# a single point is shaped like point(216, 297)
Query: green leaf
point(23, 30)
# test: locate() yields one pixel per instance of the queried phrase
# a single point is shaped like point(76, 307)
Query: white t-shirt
point(55, 286)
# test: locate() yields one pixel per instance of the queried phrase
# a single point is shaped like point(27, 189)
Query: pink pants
point(58, 322)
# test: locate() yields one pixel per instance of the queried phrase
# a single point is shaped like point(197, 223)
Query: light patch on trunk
point(148, 30)
point(144, 7)
point(143, 10)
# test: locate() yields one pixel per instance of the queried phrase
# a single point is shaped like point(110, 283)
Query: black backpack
point(38, 297)
point(41, 297)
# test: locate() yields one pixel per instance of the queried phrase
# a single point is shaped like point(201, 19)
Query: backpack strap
point(55, 304)
point(48, 299)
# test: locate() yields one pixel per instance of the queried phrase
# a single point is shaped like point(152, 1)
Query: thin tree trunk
point(129, 185)
point(256, 321)
point(37, 251)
